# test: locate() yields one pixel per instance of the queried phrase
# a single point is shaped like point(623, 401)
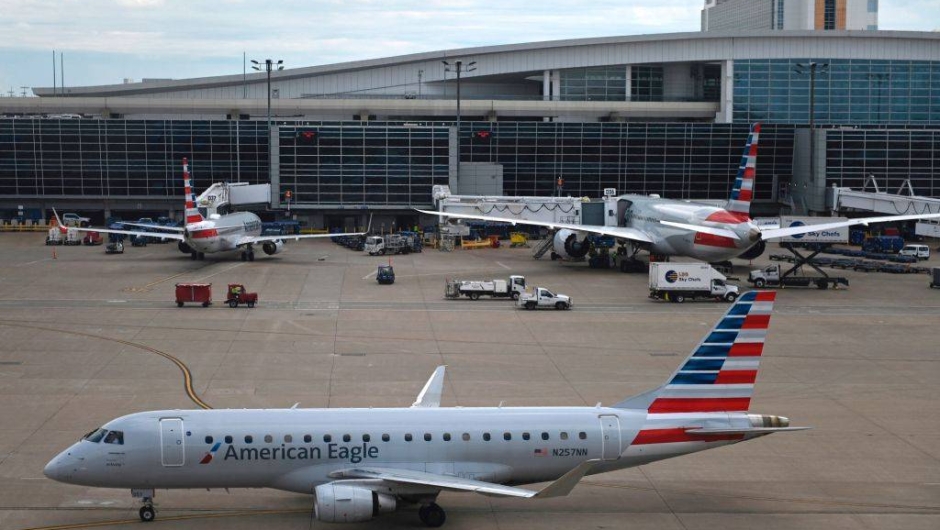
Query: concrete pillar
point(726, 98)
point(628, 80)
point(546, 85)
point(556, 85)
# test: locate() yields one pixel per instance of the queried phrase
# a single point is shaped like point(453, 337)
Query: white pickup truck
point(543, 298)
point(73, 219)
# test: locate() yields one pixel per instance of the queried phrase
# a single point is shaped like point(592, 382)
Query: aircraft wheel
point(251, 256)
point(432, 515)
point(147, 514)
point(202, 255)
point(194, 256)
point(244, 256)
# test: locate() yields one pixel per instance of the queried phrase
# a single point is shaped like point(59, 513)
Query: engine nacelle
point(184, 248)
point(339, 503)
point(272, 247)
point(754, 251)
point(566, 244)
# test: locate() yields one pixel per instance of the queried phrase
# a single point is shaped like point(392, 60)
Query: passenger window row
point(327, 438)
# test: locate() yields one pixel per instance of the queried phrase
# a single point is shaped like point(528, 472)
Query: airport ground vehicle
point(73, 219)
point(771, 276)
point(387, 244)
point(93, 238)
point(935, 277)
point(114, 247)
point(543, 298)
point(385, 275)
point(474, 289)
point(917, 251)
point(237, 294)
point(194, 292)
point(678, 282)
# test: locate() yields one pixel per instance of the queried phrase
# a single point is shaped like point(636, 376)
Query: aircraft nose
point(61, 467)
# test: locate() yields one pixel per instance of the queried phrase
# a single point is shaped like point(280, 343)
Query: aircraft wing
point(616, 231)
point(250, 240)
point(156, 227)
point(559, 488)
point(163, 235)
point(775, 233)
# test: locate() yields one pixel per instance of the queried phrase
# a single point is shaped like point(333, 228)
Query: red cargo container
point(194, 292)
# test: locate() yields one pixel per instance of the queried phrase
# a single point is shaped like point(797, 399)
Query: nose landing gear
point(146, 512)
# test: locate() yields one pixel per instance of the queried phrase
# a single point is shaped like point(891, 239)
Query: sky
point(106, 41)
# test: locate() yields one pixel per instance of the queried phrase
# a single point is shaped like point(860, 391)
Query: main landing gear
point(197, 255)
point(432, 515)
point(146, 512)
point(248, 254)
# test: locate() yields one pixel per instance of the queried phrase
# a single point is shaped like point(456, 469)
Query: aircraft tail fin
point(192, 213)
point(743, 190)
point(719, 374)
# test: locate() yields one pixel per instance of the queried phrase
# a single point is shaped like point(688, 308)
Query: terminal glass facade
point(891, 155)
point(334, 164)
point(849, 91)
point(676, 160)
point(594, 84)
point(126, 158)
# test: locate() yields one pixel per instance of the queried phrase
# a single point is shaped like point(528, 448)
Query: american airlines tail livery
point(667, 227)
point(239, 231)
point(360, 463)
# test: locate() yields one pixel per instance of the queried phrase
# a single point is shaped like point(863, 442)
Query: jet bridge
point(542, 209)
point(901, 203)
point(221, 196)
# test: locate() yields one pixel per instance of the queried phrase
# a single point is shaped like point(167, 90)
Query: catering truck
point(678, 282)
point(474, 289)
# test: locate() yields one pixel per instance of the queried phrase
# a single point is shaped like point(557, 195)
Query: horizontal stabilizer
point(751, 430)
point(155, 227)
point(721, 232)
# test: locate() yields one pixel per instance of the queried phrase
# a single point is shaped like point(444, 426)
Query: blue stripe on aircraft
point(712, 350)
point(733, 322)
point(749, 296)
point(682, 378)
point(721, 337)
point(703, 364)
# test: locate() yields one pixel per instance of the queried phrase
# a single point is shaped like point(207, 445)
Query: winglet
point(563, 486)
point(62, 227)
point(430, 395)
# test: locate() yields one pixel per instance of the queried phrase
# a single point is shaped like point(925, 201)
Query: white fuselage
point(296, 449)
point(645, 213)
point(223, 233)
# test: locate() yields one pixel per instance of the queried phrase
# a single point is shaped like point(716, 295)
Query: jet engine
point(754, 251)
point(338, 503)
point(184, 248)
point(567, 245)
point(272, 247)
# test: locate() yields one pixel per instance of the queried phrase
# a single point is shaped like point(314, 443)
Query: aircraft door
point(610, 437)
point(171, 442)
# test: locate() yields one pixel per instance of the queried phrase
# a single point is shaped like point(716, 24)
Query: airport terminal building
point(664, 114)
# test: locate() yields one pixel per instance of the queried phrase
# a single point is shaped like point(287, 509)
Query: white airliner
point(238, 231)
point(666, 227)
point(359, 463)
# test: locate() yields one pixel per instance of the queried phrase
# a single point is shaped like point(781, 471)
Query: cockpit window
point(114, 437)
point(95, 436)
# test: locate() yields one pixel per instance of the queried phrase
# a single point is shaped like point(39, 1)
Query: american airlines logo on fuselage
point(252, 225)
point(332, 451)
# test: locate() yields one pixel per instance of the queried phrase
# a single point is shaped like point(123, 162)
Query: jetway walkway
point(839, 199)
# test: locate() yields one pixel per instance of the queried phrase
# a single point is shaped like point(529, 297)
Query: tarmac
point(86, 337)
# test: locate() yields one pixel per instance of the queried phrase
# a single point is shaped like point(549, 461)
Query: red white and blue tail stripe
point(743, 189)
point(719, 374)
point(192, 213)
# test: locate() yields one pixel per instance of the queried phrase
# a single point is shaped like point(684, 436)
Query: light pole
point(458, 66)
point(268, 65)
point(812, 68)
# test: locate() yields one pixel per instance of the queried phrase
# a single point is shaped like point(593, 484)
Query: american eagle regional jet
point(666, 227)
point(360, 463)
point(220, 233)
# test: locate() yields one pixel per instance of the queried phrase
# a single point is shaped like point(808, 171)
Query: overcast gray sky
point(105, 41)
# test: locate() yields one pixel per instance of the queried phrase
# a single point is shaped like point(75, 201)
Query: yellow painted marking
point(187, 375)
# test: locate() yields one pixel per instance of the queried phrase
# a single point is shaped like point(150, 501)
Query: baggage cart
point(194, 292)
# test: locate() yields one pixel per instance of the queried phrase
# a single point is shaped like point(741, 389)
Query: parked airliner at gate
point(360, 463)
point(238, 231)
